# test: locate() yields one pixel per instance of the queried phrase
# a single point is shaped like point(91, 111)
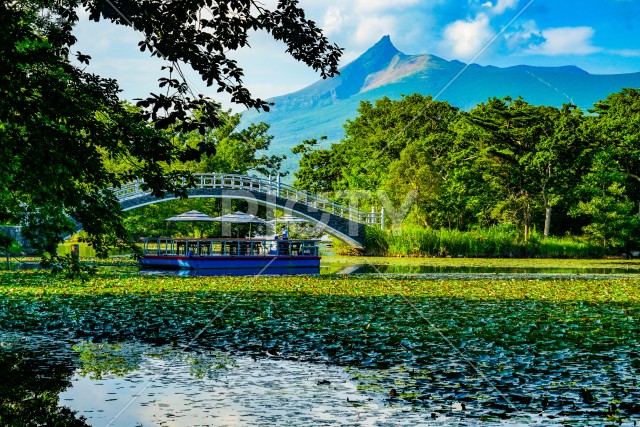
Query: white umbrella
point(287, 219)
point(191, 216)
point(240, 218)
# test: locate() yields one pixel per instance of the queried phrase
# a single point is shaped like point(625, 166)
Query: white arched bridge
point(344, 222)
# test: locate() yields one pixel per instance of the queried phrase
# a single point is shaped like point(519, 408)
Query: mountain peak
point(385, 41)
point(382, 51)
point(353, 75)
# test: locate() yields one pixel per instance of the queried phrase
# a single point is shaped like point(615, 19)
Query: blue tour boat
point(253, 255)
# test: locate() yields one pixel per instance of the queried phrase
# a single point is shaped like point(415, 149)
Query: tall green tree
point(381, 131)
point(423, 170)
point(237, 151)
point(609, 189)
point(58, 122)
point(393, 146)
point(504, 162)
point(616, 127)
point(320, 169)
point(244, 152)
point(613, 219)
point(554, 162)
point(465, 198)
point(519, 156)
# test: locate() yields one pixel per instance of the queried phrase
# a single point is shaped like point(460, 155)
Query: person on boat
point(190, 254)
point(285, 233)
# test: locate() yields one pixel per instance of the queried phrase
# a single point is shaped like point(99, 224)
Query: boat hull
point(225, 262)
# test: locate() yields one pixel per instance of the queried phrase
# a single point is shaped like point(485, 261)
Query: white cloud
point(333, 20)
point(414, 25)
point(452, 30)
point(370, 29)
point(565, 41)
point(523, 37)
point(371, 5)
point(358, 26)
point(465, 39)
point(500, 6)
point(631, 53)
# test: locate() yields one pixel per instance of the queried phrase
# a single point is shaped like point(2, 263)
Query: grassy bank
point(490, 242)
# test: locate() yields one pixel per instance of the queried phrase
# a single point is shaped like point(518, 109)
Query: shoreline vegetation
point(502, 164)
point(493, 242)
point(412, 242)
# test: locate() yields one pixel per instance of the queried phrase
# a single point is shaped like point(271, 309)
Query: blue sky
point(601, 37)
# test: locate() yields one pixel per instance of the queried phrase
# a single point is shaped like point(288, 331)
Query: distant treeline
point(506, 163)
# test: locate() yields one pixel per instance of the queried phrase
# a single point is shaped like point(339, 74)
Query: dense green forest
point(505, 163)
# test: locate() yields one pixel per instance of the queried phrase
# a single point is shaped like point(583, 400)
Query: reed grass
point(488, 242)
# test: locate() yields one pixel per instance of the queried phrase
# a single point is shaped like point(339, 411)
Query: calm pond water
point(129, 384)
point(213, 389)
point(429, 269)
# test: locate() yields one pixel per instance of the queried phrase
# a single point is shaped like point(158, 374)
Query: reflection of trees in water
point(33, 373)
point(32, 379)
point(99, 360)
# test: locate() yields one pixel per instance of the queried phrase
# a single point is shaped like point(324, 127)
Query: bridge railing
point(134, 189)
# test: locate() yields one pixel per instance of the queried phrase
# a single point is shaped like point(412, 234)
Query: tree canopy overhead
point(201, 33)
point(59, 123)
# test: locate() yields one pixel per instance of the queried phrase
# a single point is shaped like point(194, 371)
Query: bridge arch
point(341, 221)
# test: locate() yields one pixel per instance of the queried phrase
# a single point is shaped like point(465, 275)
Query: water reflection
point(171, 387)
point(33, 371)
point(48, 382)
point(432, 269)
